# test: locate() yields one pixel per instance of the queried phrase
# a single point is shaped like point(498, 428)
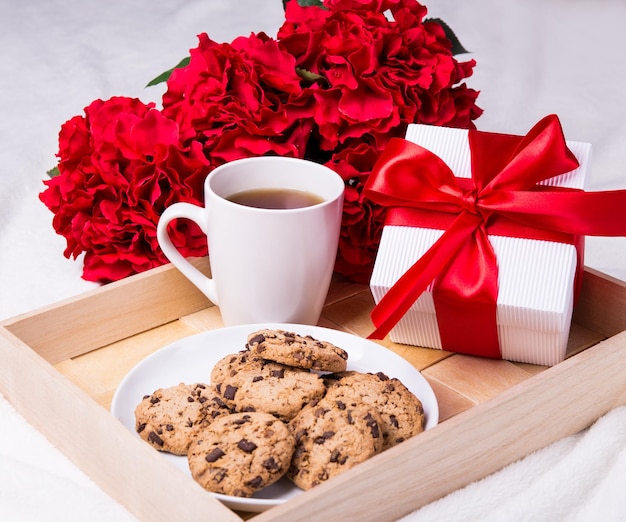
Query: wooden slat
point(450, 401)
point(100, 371)
point(113, 312)
point(477, 379)
point(601, 306)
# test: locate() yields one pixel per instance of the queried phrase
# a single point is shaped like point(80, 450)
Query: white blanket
point(534, 58)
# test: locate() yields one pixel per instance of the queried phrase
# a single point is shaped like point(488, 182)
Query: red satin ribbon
point(501, 198)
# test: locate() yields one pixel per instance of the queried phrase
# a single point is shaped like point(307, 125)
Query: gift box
point(523, 309)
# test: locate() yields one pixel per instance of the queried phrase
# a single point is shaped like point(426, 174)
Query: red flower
point(120, 166)
point(362, 220)
point(379, 74)
point(241, 99)
point(334, 87)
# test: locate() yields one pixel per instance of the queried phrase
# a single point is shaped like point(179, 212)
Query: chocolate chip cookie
point(248, 383)
point(332, 436)
point(401, 411)
point(168, 418)
point(302, 351)
point(231, 364)
point(241, 453)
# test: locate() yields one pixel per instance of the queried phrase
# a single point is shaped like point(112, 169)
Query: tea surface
point(275, 198)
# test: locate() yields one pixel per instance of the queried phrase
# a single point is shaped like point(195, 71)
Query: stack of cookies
point(284, 406)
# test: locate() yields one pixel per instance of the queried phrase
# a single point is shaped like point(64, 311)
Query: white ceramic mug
point(267, 265)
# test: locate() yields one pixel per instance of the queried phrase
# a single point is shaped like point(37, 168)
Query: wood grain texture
point(106, 315)
point(97, 443)
point(491, 412)
point(473, 444)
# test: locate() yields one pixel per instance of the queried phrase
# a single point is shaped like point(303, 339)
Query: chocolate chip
point(373, 426)
point(255, 483)
point(229, 392)
point(271, 465)
point(190, 399)
point(219, 476)
point(300, 434)
point(169, 427)
point(257, 378)
point(297, 454)
point(216, 454)
point(279, 374)
point(319, 412)
point(154, 400)
point(218, 401)
point(246, 445)
point(155, 439)
point(141, 427)
point(340, 404)
point(394, 421)
point(337, 457)
point(324, 437)
point(258, 338)
point(323, 475)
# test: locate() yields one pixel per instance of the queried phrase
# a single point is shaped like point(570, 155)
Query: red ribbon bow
point(501, 198)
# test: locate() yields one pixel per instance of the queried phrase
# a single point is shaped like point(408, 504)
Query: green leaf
point(53, 172)
point(307, 3)
point(308, 75)
point(457, 48)
point(164, 76)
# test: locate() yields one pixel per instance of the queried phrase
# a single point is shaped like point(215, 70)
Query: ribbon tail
point(401, 296)
point(570, 212)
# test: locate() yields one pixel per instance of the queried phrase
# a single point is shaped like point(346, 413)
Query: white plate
point(191, 359)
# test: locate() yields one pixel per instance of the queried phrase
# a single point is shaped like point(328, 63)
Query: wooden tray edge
point(355, 483)
point(529, 416)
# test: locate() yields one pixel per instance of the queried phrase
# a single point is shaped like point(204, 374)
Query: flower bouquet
point(341, 78)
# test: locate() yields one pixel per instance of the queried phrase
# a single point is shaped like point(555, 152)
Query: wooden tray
point(61, 365)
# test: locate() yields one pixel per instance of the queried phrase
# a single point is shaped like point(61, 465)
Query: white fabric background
point(534, 58)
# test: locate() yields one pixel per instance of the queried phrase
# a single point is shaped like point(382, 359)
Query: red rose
point(241, 99)
point(119, 167)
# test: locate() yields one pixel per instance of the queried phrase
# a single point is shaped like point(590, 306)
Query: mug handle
point(198, 216)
